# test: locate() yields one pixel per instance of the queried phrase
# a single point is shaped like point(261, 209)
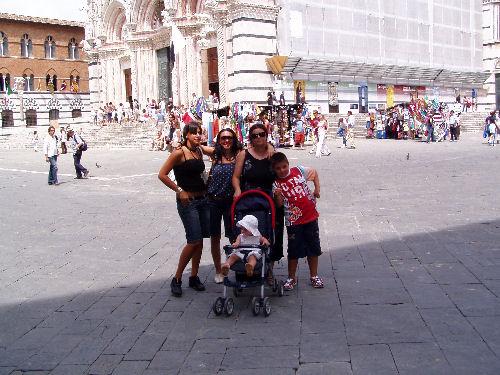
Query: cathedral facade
point(349, 55)
point(154, 49)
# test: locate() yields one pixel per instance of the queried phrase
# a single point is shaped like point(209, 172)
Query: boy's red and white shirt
point(300, 203)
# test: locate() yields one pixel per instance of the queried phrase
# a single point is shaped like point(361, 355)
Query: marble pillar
point(133, 73)
point(221, 62)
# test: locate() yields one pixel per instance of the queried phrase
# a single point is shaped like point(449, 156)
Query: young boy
point(290, 189)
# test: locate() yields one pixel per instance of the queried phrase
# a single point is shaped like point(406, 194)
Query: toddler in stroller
point(253, 213)
point(249, 236)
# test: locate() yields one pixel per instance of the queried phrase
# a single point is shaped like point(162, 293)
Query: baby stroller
point(260, 205)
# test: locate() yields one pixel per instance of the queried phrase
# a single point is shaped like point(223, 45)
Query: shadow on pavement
point(420, 304)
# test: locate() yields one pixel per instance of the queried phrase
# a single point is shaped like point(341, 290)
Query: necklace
point(230, 159)
point(193, 151)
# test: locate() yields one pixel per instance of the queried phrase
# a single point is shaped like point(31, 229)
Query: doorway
point(7, 118)
point(31, 117)
point(164, 73)
point(128, 84)
point(213, 71)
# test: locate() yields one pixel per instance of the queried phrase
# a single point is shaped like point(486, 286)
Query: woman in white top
point(51, 151)
point(321, 147)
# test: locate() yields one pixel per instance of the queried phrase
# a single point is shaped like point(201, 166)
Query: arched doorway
point(31, 119)
point(7, 118)
point(213, 71)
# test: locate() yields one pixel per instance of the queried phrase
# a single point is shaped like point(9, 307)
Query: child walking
point(290, 189)
point(249, 236)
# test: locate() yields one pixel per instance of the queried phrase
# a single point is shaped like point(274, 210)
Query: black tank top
point(189, 173)
point(257, 174)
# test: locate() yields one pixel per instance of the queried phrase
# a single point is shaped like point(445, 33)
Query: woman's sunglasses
point(258, 135)
point(226, 138)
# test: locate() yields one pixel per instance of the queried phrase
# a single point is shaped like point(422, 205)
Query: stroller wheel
point(281, 289)
point(218, 306)
point(275, 285)
point(256, 306)
point(229, 307)
point(266, 306)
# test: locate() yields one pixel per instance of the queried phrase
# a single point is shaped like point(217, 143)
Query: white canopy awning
point(348, 71)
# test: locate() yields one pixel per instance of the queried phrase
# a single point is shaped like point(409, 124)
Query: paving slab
point(411, 271)
point(373, 359)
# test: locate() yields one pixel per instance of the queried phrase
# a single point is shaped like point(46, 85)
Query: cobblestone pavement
point(410, 233)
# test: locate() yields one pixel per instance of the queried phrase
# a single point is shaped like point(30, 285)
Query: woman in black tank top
point(253, 171)
point(192, 206)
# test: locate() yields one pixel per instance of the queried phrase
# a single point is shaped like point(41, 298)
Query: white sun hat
point(250, 223)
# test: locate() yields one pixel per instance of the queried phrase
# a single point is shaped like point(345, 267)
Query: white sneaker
point(219, 278)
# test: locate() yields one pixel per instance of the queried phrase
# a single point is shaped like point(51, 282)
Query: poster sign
point(390, 96)
point(333, 97)
point(333, 94)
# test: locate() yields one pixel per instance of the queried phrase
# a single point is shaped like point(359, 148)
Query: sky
point(69, 10)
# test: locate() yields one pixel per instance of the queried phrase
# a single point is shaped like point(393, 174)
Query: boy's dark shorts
point(303, 240)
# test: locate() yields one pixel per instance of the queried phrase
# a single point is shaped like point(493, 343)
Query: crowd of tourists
point(421, 119)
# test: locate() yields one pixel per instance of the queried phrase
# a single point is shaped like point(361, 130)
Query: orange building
point(48, 54)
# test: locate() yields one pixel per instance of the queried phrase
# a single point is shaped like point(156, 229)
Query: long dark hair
point(235, 147)
point(257, 125)
point(193, 127)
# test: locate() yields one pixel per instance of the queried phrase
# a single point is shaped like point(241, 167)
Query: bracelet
point(179, 190)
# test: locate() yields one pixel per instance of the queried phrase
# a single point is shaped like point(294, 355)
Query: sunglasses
point(258, 135)
point(226, 138)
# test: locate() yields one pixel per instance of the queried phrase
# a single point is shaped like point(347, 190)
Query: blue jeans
point(79, 168)
point(220, 209)
point(430, 135)
point(53, 169)
point(195, 217)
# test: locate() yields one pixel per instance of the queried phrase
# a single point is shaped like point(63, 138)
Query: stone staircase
point(128, 136)
point(333, 124)
point(139, 136)
point(472, 122)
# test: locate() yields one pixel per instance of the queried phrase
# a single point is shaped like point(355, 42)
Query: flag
point(9, 90)
point(187, 118)
point(39, 87)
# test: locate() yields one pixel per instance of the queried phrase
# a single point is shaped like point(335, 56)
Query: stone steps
point(140, 136)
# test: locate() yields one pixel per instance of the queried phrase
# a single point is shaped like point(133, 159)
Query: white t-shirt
point(492, 128)
point(50, 146)
point(453, 121)
point(350, 121)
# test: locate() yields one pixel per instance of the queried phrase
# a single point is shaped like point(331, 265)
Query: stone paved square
point(411, 265)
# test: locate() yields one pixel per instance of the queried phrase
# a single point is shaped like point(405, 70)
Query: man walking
point(78, 145)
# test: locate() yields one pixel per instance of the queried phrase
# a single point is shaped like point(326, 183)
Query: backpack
point(84, 146)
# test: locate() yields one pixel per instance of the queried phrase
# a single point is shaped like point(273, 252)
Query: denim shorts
point(195, 217)
point(220, 209)
point(303, 240)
